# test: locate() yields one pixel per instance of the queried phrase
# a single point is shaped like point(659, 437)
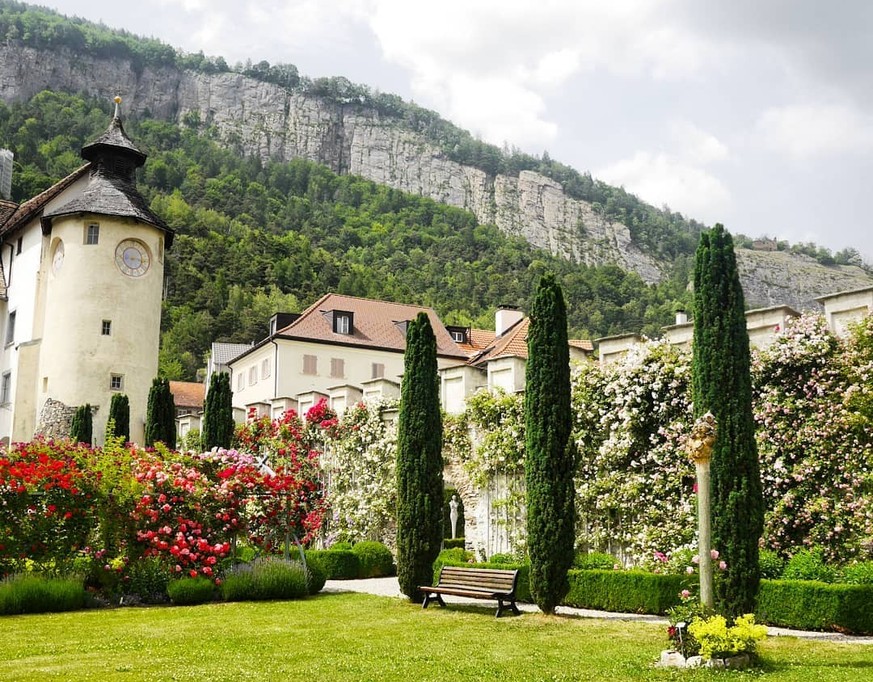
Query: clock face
point(132, 258)
point(58, 257)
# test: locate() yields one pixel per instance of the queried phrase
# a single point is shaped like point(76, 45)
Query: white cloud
point(809, 130)
point(488, 64)
point(696, 145)
point(664, 179)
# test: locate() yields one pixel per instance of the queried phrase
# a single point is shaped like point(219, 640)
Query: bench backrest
point(494, 579)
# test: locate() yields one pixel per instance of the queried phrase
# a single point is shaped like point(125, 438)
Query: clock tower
point(99, 289)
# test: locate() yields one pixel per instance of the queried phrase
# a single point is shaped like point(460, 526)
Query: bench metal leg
point(501, 607)
point(429, 597)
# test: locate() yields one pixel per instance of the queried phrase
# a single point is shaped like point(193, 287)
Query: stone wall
point(55, 419)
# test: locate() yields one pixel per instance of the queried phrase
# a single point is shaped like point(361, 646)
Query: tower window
point(310, 364)
point(378, 370)
point(116, 382)
point(5, 387)
point(10, 328)
point(92, 234)
point(106, 328)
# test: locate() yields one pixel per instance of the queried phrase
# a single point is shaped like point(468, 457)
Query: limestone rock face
point(778, 277)
point(264, 119)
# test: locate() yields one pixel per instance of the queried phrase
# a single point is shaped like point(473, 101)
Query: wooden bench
point(477, 583)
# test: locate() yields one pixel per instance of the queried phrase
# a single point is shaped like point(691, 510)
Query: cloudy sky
point(754, 113)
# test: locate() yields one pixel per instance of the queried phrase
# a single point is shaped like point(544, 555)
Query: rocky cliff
point(265, 119)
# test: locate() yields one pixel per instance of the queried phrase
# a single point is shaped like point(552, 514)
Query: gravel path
point(388, 587)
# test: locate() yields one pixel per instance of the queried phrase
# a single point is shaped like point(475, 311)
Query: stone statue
point(453, 515)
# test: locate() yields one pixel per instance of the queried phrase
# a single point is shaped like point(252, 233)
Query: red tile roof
point(32, 207)
point(513, 343)
point(376, 324)
point(188, 393)
point(582, 344)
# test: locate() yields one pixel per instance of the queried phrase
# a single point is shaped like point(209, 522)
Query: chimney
point(681, 317)
point(506, 317)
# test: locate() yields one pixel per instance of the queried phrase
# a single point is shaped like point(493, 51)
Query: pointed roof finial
point(117, 101)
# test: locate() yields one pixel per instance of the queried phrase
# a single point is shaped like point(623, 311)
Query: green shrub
point(317, 575)
point(623, 591)
point(502, 559)
point(38, 594)
point(452, 557)
point(340, 546)
point(374, 559)
point(771, 564)
point(860, 573)
point(719, 640)
point(265, 578)
point(594, 560)
point(453, 543)
point(148, 578)
point(190, 591)
point(338, 564)
point(809, 605)
point(809, 564)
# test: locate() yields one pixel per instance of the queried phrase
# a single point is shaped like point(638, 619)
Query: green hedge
point(338, 564)
point(810, 605)
point(374, 559)
point(453, 543)
point(623, 591)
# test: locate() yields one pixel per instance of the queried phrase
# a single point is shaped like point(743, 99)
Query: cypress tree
point(419, 462)
point(82, 426)
point(160, 415)
point(721, 384)
point(218, 422)
point(550, 452)
point(119, 415)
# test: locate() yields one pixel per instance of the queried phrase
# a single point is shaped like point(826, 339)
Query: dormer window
point(458, 334)
point(342, 322)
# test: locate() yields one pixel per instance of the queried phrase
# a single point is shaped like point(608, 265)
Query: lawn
point(362, 637)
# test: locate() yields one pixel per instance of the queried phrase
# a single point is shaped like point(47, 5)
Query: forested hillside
point(255, 238)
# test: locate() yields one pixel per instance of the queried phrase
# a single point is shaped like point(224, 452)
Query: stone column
point(699, 449)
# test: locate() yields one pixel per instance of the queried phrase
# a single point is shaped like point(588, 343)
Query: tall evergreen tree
point(82, 426)
point(419, 462)
point(160, 415)
point(550, 452)
point(218, 422)
point(119, 415)
point(722, 385)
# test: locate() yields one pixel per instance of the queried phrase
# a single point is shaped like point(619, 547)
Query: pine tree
point(722, 385)
point(550, 451)
point(81, 428)
point(218, 422)
point(160, 415)
point(419, 462)
point(119, 415)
